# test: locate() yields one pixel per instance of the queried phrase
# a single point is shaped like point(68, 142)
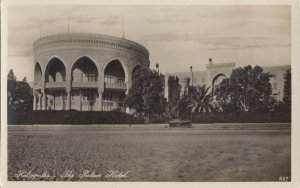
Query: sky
point(176, 37)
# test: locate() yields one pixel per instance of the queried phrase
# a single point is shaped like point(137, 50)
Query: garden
point(244, 97)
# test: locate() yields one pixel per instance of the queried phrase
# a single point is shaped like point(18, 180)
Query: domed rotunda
point(85, 72)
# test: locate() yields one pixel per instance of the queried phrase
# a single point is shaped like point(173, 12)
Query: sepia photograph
point(148, 93)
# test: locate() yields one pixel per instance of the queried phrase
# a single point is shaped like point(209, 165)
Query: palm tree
point(199, 99)
point(179, 110)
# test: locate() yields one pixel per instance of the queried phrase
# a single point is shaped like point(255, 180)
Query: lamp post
point(157, 66)
point(80, 95)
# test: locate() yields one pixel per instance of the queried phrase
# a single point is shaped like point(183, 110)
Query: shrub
point(161, 119)
point(78, 117)
point(241, 117)
point(70, 117)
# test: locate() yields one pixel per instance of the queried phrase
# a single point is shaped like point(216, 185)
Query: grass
point(167, 155)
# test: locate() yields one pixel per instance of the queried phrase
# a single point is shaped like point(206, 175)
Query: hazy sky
point(177, 36)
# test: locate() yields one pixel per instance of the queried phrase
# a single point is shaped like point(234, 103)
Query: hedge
point(70, 117)
point(242, 117)
point(78, 117)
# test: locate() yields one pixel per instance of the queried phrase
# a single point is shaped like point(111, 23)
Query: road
point(222, 152)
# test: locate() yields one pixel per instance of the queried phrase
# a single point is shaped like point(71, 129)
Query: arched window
point(84, 70)
point(217, 80)
point(37, 73)
point(55, 71)
point(114, 73)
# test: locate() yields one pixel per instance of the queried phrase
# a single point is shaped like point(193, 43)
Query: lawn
point(166, 155)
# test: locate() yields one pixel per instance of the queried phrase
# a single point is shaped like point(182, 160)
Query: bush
point(70, 117)
point(161, 119)
point(78, 117)
point(241, 117)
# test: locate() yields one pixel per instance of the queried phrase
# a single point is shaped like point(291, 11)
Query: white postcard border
point(295, 63)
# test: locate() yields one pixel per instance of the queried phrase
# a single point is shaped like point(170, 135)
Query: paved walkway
point(149, 127)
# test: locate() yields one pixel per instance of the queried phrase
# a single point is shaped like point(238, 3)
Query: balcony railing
point(55, 84)
point(112, 82)
point(85, 84)
point(115, 85)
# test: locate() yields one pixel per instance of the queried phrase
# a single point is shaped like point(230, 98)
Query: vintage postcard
point(136, 93)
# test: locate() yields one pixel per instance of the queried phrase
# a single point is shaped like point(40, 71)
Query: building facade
point(215, 73)
point(86, 72)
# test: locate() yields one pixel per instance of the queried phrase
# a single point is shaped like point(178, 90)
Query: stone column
point(34, 100)
point(68, 90)
point(100, 92)
point(68, 105)
point(44, 99)
point(100, 100)
point(62, 97)
point(54, 105)
point(80, 103)
point(39, 101)
point(128, 86)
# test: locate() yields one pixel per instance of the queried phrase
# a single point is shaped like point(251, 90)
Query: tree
point(19, 93)
point(24, 79)
point(197, 100)
point(180, 109)
point(11, 82)
point(287, 90)
point(248, 89)
point(200, 99)
point(11, 75)
point(146, 93)
point(173, 89)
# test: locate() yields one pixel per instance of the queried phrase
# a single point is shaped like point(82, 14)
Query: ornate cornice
point(88, 40)
point(221, 65)
point(277, 67)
